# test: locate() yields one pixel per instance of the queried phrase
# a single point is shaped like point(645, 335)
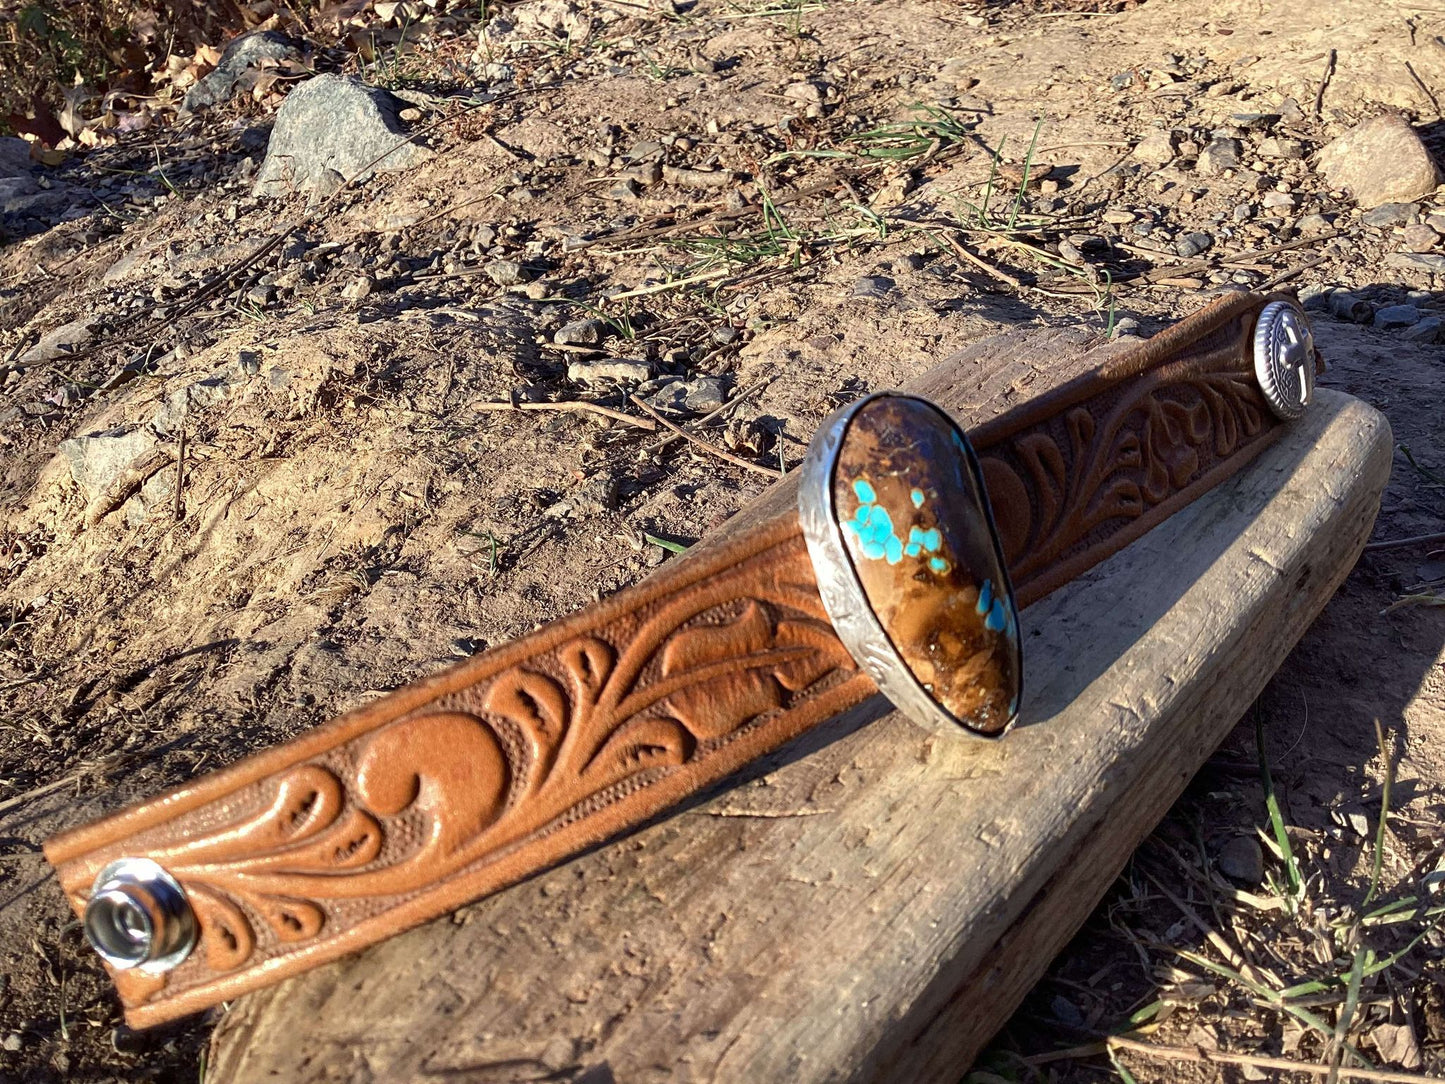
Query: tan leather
point(454, 787)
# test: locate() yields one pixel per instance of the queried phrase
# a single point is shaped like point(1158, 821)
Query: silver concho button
point(138, 916)
point(1284, 359)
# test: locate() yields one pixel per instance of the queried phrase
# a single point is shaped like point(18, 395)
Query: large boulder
point(1380, 161)
point(333, 129)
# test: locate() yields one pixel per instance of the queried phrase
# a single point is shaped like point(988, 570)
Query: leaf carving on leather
point(225, 932)
point(636, 746)
point(292, 920)
point(308, 799)
point(450, 766)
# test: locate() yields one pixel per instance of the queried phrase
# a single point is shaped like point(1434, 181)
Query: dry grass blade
point(1220, 1057)
point(574, 406)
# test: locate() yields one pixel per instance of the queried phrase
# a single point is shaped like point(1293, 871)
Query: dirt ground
point(843, 186)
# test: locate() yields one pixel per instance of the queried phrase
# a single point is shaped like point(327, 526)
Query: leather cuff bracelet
point(900, 571)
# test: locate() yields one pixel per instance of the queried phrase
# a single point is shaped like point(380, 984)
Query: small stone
point(1389, 214)
point(1311, 224)
point(1394, 317)
point(1219, 156)
point(1315, 296)
point(1417, 261)
point(1427, 330)
point(506, 272)
point(1192, 244)
point(874, 286)
point(63, 340)
point(12, 1042)
point(331, 129)
point(1290, 150)
point(97, 459)
point(1418, 238)
point(625, 189)
point(618, 370)
point(1257, 122)
point(1155, 149)
point(809, 93)
point(261, 295)
point(1243, 212)
point(588, 332)
point(241, 54)
point(1117, 216)
point(1346, 306)
point(1121, 81)
point(1380, 161)
point(1278, 201)
point(360, 288)
point(701, 395)
point(1242, 859)
point(1066, 1012)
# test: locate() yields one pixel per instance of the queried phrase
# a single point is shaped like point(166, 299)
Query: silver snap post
point(138, 917)
point(1284, 359)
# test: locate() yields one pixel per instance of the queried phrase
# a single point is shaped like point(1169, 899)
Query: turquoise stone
point(916, 526)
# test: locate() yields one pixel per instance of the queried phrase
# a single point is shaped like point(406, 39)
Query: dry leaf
point(1396, 1043)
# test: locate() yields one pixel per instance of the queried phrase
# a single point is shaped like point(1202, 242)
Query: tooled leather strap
point(463, 783)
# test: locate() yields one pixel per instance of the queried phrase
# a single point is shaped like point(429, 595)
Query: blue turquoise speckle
point(917, 497)
point(865, 492)
point(997, 619)
point(985, 597)
point(874, 528)
point(938, 564)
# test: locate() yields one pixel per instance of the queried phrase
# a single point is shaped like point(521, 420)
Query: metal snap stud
point(1284, 359)
point(138, 917)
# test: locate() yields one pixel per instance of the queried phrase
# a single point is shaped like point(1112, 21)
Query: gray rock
point(1219, 156)
point(874, 286)
point(1417, 261)
point(1394, 317)
point(360, 288)
point(1346, 306)
point(506, 272)
point(1121, 81)
point(1419, 238)
point(1242, 859)
point(1243, 212)
point(588, 332)
point(1156, 149)
point(171, 417)
point(331, 129)
point(1290, 150)
point(1428, 330)
point(811, 92)
point(625, 189)
point(619, 370)
point(97, 459)
point(1192, 244)
point(1380, 161)
point(1277, 201)
point(241, 54)
point(1315, 296)
point(12, 1042)
point(701, 395)
point(1389, 214)
point(16, 177)
point(1315, 224)
point(65, 339)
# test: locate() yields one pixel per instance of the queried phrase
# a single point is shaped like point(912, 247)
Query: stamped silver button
point(1284, 359)
point(138, 916)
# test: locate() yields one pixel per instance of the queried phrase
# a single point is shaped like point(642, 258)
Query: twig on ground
point(1285, 276)
point(718, 413)
point(963, 253)
point(1403, 543)
point(1324, 82)
point(575, 406)
point(180, 509)
point(1434, 101)
point(711, 449)
point(1199, 1054)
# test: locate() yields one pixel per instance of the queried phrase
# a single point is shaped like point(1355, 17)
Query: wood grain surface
point(873, 901)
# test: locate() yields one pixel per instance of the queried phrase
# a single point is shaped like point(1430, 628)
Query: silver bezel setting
point(842, 592)
point(1284, 359)
point(169, 942)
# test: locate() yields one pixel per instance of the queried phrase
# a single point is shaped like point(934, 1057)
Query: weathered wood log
point(873, 901)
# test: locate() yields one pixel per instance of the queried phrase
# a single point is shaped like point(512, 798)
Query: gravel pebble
point(1389, 214)
point(1427, 330)
point(1219, 156)
point(1192, 244)
point(1242, 859)
point(1346, 306)
point(621, 370)
point(588, 332)
point(1418, 238)
point(505, 272)
point(1394, 317)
